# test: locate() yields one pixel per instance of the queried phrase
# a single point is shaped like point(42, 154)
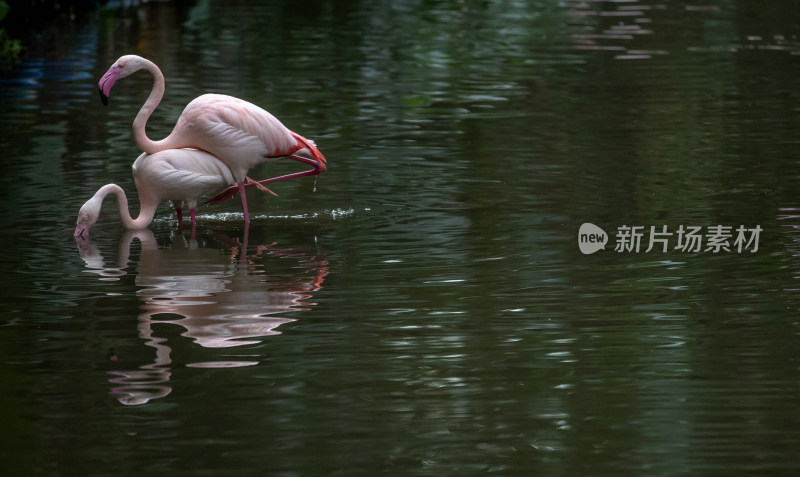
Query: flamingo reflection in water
point(220, 301)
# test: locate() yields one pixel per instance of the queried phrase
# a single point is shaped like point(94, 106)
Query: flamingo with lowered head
point(179, 175)
point(239, 133)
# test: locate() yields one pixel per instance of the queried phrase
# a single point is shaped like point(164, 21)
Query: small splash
point(333, 214)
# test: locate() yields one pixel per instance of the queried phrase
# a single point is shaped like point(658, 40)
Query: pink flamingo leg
point(243, 258)
point(259, 185)
point(178, 210)
point(191, 213)
point(319, 168)
point(244, 203)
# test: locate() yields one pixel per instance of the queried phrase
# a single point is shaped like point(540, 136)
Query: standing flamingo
point(239, 133)
point(179, 175)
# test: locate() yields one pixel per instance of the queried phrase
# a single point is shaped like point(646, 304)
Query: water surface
point(422, 308)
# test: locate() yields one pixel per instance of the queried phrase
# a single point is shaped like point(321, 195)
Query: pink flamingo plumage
point(178, 175)
point(239, 133)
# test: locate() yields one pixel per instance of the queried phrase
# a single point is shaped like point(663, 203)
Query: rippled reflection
point(789, 220)
point(221, 298)
point(635, 30)
point(463, 332)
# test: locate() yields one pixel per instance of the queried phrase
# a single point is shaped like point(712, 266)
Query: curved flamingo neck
point(147, 208)
point(140, 136)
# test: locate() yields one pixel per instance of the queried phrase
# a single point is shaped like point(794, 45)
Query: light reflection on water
point(458, 329)
point(222, 300)
point(643, 30)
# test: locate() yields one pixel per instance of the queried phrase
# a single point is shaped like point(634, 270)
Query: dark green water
point(423, 307)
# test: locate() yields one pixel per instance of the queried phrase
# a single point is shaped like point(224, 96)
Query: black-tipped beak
point(103, 98)
point(81, 232)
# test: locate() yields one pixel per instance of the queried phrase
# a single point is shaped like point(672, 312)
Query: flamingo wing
point(240, 133)
point(180, 174)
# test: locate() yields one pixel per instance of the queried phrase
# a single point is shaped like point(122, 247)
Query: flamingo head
point(124, 66)
point(87, 216)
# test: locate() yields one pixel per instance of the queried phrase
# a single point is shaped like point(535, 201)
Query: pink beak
point(106, 82)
